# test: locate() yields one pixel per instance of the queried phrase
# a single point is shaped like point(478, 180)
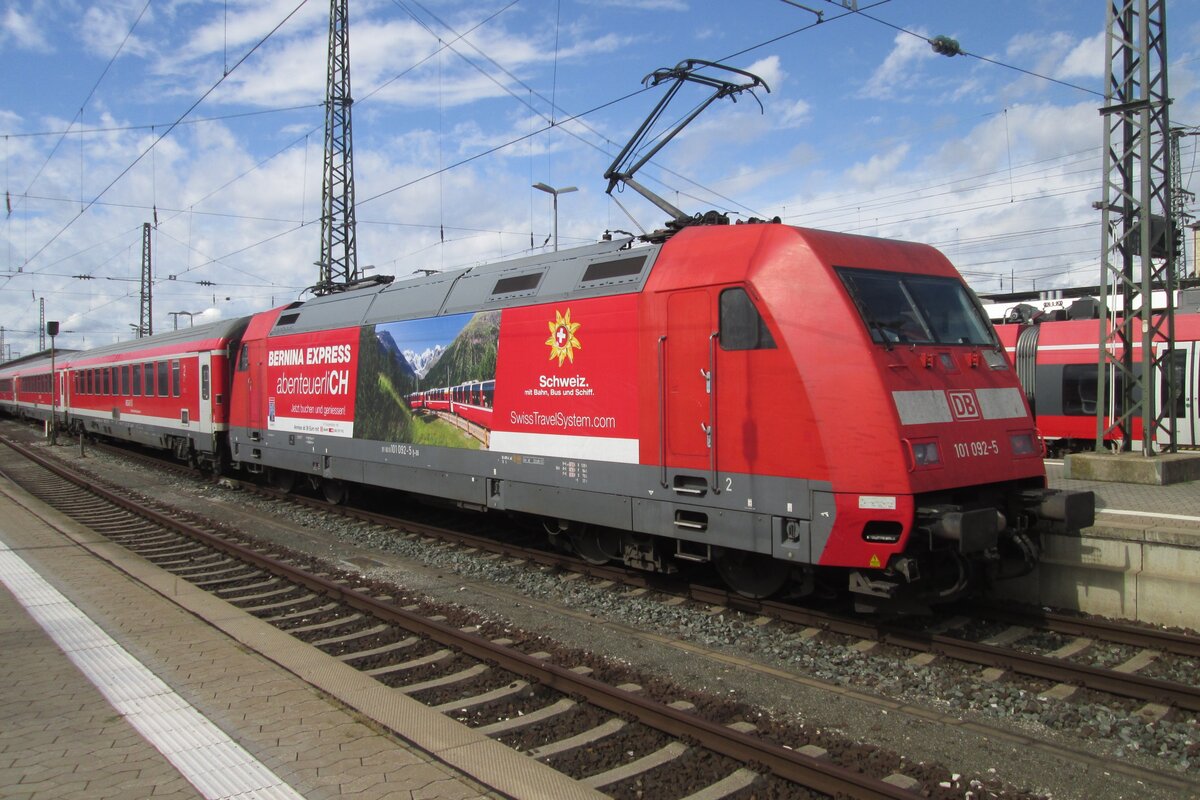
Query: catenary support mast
point(1137, 245)
point(146, 315)
point(339, 257)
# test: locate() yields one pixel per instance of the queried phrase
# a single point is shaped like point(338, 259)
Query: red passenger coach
point(27, 387)
point(168, 391)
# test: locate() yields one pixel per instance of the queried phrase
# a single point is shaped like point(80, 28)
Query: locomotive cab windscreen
point(903, 308)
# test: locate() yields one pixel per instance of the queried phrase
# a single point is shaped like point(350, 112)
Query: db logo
point(963, 405)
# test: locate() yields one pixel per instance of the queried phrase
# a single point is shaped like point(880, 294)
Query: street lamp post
point(52, 330)
point(550, 190)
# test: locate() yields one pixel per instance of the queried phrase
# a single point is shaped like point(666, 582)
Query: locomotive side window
point(922, 309)
point(244, 359)
point(742, 327)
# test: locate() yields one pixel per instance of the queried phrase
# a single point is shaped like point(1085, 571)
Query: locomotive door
point(686, 377)
point(251, 361)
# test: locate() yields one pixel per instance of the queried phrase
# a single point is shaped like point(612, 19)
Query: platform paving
point(319, 727)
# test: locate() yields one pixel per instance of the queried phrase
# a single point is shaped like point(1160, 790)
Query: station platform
point(122, 681)
point(1140, 561)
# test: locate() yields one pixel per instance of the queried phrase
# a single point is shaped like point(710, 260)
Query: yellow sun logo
point(562, 341)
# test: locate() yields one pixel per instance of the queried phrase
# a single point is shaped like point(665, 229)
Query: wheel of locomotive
point(595, 545)
point(334, 491)
point(749, 574)
point(283, 480)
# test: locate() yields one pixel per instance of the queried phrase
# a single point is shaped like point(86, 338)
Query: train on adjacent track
point(1057, 362)
point(802, 409)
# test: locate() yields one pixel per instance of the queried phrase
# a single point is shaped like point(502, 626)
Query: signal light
point(945, 46)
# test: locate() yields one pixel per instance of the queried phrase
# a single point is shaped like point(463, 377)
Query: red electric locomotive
point(1057, 362)
point(679, 401)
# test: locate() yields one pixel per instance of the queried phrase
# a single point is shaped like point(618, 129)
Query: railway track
point(1009, 649)
point(560, 714)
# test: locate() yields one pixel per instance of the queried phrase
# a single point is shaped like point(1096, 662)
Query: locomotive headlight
point(1023, 444)
point(926, 454)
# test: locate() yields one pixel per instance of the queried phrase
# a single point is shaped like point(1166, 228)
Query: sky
point(205, 118)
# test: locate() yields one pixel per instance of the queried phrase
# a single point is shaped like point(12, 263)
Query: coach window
point(204, 382)
point(148, 367)
point(125, 381)
point(1079, 389)
point(164, 378)
point(742, 327)
point(1178, 361)
point(137, 380)
point(175, 379)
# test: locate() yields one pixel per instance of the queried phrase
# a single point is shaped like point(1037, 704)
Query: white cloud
point(104, 28)
point(22, 31)
point(899, 69)
point(1086, 59)
point(878, 169)
point(793, 114)
point(770, 70)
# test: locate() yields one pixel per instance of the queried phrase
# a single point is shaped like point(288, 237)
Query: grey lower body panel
point(769, 515)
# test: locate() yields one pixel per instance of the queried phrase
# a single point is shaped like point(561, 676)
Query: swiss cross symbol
point(963, 405)
point(560, 336)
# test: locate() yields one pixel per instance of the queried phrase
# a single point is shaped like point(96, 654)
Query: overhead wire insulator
point(945, 46)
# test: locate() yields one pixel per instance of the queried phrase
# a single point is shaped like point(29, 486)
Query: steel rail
point(1109, 630)
point(1099, 678)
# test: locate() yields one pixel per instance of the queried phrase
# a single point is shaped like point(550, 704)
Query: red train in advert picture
point(799, 408)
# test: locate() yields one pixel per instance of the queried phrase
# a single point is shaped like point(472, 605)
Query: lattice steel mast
point(339, 255)
point(146, 315)
point(1137, 242)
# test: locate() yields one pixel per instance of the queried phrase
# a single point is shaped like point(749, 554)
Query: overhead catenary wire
point(167, 132)
point(87, 99)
